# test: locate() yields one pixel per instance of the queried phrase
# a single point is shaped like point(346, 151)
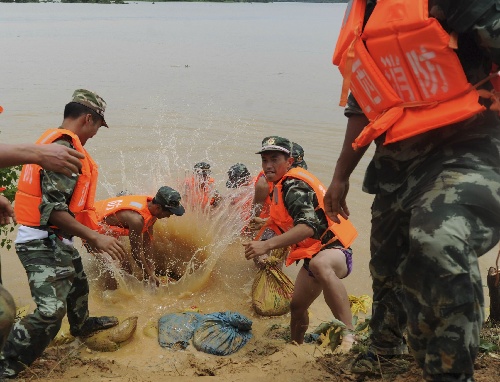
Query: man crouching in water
point(134, 216)
point(297, 219)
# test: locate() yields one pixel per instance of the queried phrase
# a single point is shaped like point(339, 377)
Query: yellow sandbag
point(151, 329)
point(111, 339)
point(272, 289)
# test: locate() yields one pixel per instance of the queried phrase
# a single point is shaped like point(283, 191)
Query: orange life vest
point(402, 70)
point(107, 207)
point(29, 192)
point(264, 212)
point(199, 191)
point(281, 221)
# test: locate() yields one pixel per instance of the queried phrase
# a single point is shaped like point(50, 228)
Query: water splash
point(186, 248)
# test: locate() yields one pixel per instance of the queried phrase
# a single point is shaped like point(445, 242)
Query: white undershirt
point(25, 234)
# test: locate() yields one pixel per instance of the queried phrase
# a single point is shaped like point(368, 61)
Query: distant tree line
point(163, 1)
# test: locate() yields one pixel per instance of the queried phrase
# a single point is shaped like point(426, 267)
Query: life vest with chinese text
point(403, 71)
point(29, 192)
point(281, 221)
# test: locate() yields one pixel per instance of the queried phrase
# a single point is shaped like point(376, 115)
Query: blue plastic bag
point(222, 333)
point(175, 330)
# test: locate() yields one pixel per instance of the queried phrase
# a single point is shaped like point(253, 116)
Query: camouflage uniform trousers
point(7, 314)
point(58, 286)
point(425, 243)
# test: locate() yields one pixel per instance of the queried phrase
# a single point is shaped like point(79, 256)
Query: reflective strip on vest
point(107, 207)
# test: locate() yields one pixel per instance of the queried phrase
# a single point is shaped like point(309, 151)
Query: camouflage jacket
point(57, 190)
point(300, 201)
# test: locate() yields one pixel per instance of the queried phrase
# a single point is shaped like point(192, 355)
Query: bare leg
point(327, 266)
point(306, 290)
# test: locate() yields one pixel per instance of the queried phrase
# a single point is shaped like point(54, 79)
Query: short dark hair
point(154, 201)
point(73, 110)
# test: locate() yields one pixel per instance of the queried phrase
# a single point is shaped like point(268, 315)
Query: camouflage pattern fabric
point(91, 100)
point(56, 277)
point(56, 193)
point(436, 210)
point(425, 243)
point(301, 202)
point(298, 156)
point(58, 286)
point(275, 143)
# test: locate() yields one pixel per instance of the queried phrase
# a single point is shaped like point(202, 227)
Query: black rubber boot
point(94, 324)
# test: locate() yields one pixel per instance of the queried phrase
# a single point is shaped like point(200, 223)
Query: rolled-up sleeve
point(352, 107)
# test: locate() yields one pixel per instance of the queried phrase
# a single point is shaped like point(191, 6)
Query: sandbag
point(112, 339)
point(222, 333)
point(150, 329)
point(175, 330)
point(272, 289)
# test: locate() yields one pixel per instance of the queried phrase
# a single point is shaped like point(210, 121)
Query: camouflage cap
point(92, 101)
point(298, 156)
point(170, 200)
point(238, 174)
point(275, 143)
point(202, 167)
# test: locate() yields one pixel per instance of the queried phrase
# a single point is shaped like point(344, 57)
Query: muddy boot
point(94, 324)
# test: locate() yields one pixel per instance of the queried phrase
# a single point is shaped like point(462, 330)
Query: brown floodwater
point(184, 82)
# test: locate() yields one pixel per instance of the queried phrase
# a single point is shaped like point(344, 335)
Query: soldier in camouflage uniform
point(322, 272)
point(238, 176)
point(436, 210)
point(54, 267)
point(298, 156)
point(261, 192)
point(54, 157)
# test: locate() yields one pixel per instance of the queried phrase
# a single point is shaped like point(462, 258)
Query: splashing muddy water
point(184, 82)
point(185, 248)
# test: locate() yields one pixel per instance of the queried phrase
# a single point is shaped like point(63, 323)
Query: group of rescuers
point(55, 202)
point(421, 81)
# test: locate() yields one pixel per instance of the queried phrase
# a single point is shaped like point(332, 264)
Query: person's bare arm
point(52, 157)
point(296, 234)
point(99, 243)
point(6, 211)
point(335, 197)
point(261, 193)
point(135, 224)
point(147, 240)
